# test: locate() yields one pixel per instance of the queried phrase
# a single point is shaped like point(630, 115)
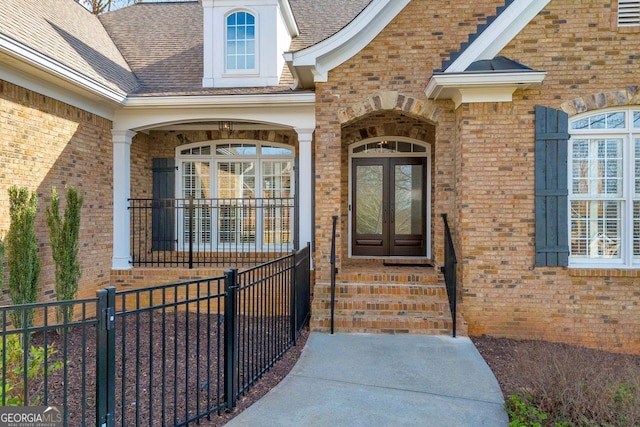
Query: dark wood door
point(389, 210)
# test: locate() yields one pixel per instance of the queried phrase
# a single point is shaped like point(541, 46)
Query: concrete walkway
point(383, 380)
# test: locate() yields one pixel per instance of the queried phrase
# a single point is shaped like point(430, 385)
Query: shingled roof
point(65, 32)
point(149, 49)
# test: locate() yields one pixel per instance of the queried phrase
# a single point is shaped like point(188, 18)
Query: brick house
point(519, 120)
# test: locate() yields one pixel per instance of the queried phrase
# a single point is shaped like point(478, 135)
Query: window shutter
point(628, 13)
point(163, 216)
point(551, 191)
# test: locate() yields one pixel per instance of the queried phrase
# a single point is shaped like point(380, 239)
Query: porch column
point(306, 194)
point(121, 193)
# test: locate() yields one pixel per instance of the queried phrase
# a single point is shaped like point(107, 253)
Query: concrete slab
point(383, 380)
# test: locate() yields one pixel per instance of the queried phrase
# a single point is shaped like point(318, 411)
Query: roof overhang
point(313, 64)
point(289, 18)
point(295, 110)
point(498, 86)
point(465, 88)
point(20, 61)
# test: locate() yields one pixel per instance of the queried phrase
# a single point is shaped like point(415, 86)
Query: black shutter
point(552, 221)
point(163, 218)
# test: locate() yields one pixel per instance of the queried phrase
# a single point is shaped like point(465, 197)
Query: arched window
point(244, 193)
point(604, 188)
point(241, 42)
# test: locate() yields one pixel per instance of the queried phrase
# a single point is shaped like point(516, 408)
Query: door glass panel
point(369, 214)
point(408, 199)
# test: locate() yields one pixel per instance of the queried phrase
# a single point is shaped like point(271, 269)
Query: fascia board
point(289, 18)
point(207, 101)
point(483, 79)
point(57, 69)
point(350, 40)
point(501, 31)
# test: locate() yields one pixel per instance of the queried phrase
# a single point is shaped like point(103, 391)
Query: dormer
point(244, 41)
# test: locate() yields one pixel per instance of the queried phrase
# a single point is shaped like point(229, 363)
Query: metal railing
point(334, 270)
point(194, 232)
point(449, 271)
point(158, 356)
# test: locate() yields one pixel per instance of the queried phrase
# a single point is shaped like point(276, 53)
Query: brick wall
point(46, 143)
point(586, 60)
point(483, 161)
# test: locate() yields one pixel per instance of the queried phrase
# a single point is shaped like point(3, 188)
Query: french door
point(389, 206)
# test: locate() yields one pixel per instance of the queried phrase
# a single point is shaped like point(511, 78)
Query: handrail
point(334, 270)
point(449, 271)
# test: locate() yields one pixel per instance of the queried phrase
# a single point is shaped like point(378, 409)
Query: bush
point(22, 253)
point(572, 385)
point(64, 248)
point(12, 359)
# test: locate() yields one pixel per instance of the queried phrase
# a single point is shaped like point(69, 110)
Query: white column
point(305, 177)
point(121, 193)
point(208, 39)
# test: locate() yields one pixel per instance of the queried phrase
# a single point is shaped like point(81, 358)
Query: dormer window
point(241, 42)
point(244, 42)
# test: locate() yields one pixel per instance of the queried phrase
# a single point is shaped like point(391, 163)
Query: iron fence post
point(230, 338)
point(294, 295)
point(105, 358)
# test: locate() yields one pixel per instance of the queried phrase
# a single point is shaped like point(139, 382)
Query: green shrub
point(22, 253)
point(12, 359)
point(523, 413)
point(64, 248)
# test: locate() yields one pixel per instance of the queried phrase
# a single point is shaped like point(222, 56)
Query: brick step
point(425, 277)
point(385, 307)
point(343, 323)
point(402, 291)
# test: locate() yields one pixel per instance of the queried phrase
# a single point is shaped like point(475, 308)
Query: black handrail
point(449, 271)
point(334, 270)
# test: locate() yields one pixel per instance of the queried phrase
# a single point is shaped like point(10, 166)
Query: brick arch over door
point(630, 95)
point(389, 101)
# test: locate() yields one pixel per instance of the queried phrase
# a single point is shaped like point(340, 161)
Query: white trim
point(313, 64)
point(121, 193)
point(26, 54)
point(494, 38)
point(481, 87)
point(306, 192)
point(426, 154)
point(287, 111)
point(261, 100)
point(628, 134)
point(289, 18)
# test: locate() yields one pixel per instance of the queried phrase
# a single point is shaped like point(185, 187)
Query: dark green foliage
point(22, 253)
point(64, 233)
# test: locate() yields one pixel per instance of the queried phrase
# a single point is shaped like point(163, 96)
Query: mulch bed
point(515, 362)
point(164, 374)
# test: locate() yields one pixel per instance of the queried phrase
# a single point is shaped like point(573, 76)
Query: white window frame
point(627, 134)
point(382, 153)
point(229, 72)
point(628, 13)
point(259, 159)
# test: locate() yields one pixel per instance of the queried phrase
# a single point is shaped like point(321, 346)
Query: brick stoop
point(396, 305)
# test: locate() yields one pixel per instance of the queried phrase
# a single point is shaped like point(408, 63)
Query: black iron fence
point(449, 271)
point(158, 356)
point(194, 232)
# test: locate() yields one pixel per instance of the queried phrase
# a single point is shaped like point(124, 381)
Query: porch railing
point(205, 232)
point(449, 271)
point(167, 355)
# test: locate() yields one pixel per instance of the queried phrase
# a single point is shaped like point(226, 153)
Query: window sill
point(604, 272)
